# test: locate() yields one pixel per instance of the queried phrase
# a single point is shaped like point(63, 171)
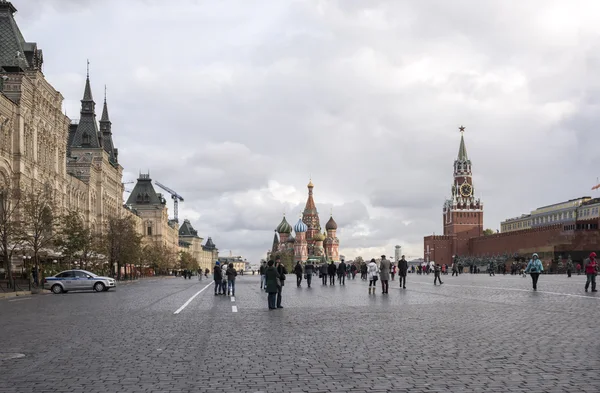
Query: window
point(81, 274)
point(149, 230)
point(66, 274)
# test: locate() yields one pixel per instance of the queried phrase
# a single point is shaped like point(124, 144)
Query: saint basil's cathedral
point(310, 242)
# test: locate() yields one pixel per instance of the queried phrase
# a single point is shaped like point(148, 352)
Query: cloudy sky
point(235, 104)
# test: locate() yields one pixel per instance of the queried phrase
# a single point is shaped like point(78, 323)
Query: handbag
point(306, 276)
point(375, 278)
point(278, 282)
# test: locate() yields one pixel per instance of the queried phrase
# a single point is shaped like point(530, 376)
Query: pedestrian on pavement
point(569, 266)
point(578, 269)
point(331, 269)
point(436, 272)
point(393, 271)
point(402, 270)
point(281, 271)
point(298, 271)
point(534, 268)
point(342, 272)
point(373, 275)
point(262, 270)
point(309, 269)
point(271, 280)
point(218, 277)
point(231, 275)
point(454, 269)
point(384, 268)
point(323, 272)
point(363, 271)
point(353, 270)
point(591, 270)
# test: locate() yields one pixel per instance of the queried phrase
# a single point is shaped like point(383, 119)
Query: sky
point(236, 105)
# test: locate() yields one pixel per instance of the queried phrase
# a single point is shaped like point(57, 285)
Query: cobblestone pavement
point(475, 333)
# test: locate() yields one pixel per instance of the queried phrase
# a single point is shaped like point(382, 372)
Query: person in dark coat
point(309, 270)
point(353, 270)
point(218, 277)
point(271, 277)
point(331, 269)
point(298, 271)
point(402, 271)
point(323, 272)
point(281, 271)
point(231, 275)
point(363, 271)
point(341, 271)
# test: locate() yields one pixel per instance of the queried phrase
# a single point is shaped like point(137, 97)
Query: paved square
point(475, 333)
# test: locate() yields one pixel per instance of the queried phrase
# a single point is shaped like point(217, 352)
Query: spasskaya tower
point(463, 213)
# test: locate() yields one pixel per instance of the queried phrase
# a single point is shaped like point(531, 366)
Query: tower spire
point(462, 150)
point(104, 117)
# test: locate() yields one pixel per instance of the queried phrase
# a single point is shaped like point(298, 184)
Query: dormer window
point(85, 139)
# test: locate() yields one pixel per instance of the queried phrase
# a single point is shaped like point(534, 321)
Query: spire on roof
point(106, 130)
point(104, 116)
point(462, 150)
point(87, 92)
point(275, 242)
point(87, 134)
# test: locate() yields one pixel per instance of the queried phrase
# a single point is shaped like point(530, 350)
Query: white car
point(78, 280)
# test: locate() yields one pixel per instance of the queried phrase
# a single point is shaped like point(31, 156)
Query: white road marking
point(233, 298)
point(233, 308)
point(180, 309)
point(16, 300)
point(515, 289)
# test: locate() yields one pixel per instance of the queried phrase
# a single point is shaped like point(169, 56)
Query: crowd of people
point(273, 274)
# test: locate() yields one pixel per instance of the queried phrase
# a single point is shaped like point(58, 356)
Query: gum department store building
point(554, 232)
point(76, 163)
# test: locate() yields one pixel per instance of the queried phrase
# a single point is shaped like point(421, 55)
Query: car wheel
point(99, 287)
point(56, 289)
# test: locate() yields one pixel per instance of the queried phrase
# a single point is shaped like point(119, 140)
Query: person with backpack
point(591, 269)
point(231, 275)
point(373, 275)
point(534, 268)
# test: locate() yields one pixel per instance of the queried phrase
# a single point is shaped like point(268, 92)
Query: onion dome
point(319, 237)
point(284, 227)
point(310, 184)
point(300, 226)
point(331, 224)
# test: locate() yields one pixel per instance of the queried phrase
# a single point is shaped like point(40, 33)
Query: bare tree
point(11, 227)
point(39, 222)
point(122, 243)
point(72, 236)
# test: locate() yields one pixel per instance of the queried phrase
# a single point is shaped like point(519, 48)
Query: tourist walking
point(271, 284)
point(353, 270)
point(331, 269)
point(323, 272)
point(384, 273)
point(454, 269)
point(231, 275)
point(393, 271)
point(309, 270)
point(298, 271)
point(363, 271)
point(373, 276)
point(261, 270)
point(534, 268)
point(218, 277)
point(281, 272)
point(569, 266)
point(341, 271)
point(591, 270)
point(402, 271)
point(436, 272)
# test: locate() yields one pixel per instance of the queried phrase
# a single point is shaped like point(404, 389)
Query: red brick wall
point(523, 242)
point(441, 248)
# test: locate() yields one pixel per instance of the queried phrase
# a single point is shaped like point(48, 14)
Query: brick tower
point(463, 213)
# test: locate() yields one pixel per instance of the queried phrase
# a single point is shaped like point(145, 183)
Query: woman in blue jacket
point(534, 268)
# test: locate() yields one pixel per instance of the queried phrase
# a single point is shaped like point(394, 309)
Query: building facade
point(555, 231)
point(189, 241)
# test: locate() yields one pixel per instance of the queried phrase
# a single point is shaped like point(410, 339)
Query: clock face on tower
point(466, 189)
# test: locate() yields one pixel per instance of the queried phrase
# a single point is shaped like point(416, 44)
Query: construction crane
point(597, 186)
point(176, 198)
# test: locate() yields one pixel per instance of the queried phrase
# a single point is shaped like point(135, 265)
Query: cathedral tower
point(463, 212)
point(332, 243)
point(300, 246)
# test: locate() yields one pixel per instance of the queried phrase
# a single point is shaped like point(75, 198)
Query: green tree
point(72, 235)
point(186, 261)
point(11, 226)
point(488, 232)
point(159, 257)
point(122, 244)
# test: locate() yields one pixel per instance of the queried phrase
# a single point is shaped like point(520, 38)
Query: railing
point(20, 284)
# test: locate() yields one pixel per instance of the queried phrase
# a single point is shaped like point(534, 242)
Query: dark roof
point(210, 246)
point(275, 242)
point(106, 129)
point(143, 193)
point(462, 150)
point(187, 230)
point(87, 134)
point(72, 130)
point(15, 53)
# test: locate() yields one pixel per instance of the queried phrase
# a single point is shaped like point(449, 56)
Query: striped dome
point(300, 226)
point(284, 227)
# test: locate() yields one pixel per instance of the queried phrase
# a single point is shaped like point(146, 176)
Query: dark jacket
point(262, 269)
point(271, 279)
point(217, 273)
point(282, 272)
point(231, 274)
point(353, 268)
point(298, 270)
point(324, 268)
point(342, 268)
point(403, 266)
point(309, 268)
point(331, 269)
